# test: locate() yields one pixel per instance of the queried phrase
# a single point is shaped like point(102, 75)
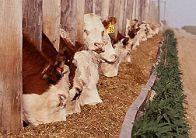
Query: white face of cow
point(142, 33)
point(93, 32)
point(84, 89)
point(96, 38)
point(50, 106)
point(123, 51)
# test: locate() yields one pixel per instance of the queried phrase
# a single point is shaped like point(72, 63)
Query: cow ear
point(86, 32)
point(125, 41)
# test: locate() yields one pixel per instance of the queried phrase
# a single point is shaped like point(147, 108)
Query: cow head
point(97, 39)
point(93, 32)
point(84, 90)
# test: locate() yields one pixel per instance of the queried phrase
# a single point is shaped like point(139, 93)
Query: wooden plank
point(135, 9)
point(68, 20)
point(72, 18)
point(140, 10)
point(111, 8)
point(80, 21)
point(10, 65)
point(98, 7)
point(32, 20)
point(146, 10)
point(89, 6)
point(105, 5)
point(119, 14)
point(129, 10)
point(124, 16)
point(153, 12)
point(51, 21)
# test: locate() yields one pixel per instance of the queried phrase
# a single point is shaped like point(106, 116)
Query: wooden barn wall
point(80, 21)
point(32, 20)
point(10, 65)
point(51, 20)
point(153, 12)
point(105, 6)
point(89, 6)
point(98, 7)
point(124, 22)
point(72, 18)
point(141, 8)
point(136, 9)
point(146, 10)
point(68, 20)
point(119, 9)
point(111, 8)
point(129, 10)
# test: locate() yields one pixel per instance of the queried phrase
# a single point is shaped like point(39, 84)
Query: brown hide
point(112, 36)
point(117, 39)
point(133, 32)
point(48, 49)
point(33, 65)
point(107, 22)
point(40, 69)
point(69, 50)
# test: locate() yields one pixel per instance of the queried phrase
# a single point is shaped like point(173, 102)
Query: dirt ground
point(117, 93)
point(187, 58)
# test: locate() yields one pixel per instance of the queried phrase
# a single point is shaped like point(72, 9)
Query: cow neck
point(33, 65)
point(48, 49)
point(69, 50)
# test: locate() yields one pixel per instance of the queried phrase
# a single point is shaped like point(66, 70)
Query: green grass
point(165, 115)
point(190, 29)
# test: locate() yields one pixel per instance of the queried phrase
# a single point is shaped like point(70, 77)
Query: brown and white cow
point(84, 75)
point(84, 90)
point(97, 39)
point(45, 90)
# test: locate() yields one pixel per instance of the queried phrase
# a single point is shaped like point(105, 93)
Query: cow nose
point(99, 45)
point(114, 58)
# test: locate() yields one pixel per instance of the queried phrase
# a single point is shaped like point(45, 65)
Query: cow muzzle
point(62, 101)
point(113, 59)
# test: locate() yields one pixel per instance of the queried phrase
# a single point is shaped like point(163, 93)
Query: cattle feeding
point(43, 102)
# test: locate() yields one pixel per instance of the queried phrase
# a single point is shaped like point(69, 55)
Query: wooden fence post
point(119, 12)
point(32, 20)
point(105, 5)
point(51, 21)
point(136, 10)
point(141, 10)
point(80, 21)
point(124, 23)
point(129, 10)
point(98, 7)
point(10, 65)
point(111, 8)
point(89, 6)
point(146, 13)
point(72, 19)
point(68, 18)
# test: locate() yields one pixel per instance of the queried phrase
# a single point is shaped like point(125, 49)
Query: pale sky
point(181, 12)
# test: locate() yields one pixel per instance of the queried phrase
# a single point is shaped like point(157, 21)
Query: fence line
point(47, 16)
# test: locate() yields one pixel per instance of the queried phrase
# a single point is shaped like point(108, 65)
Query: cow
point(139, 32)
point(45, 84)
point(122, 51)
point(84, 75)
point(84, 90)
point(97, 39)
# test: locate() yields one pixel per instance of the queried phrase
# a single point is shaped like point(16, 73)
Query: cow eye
point(87, 32)
point(102, 33)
